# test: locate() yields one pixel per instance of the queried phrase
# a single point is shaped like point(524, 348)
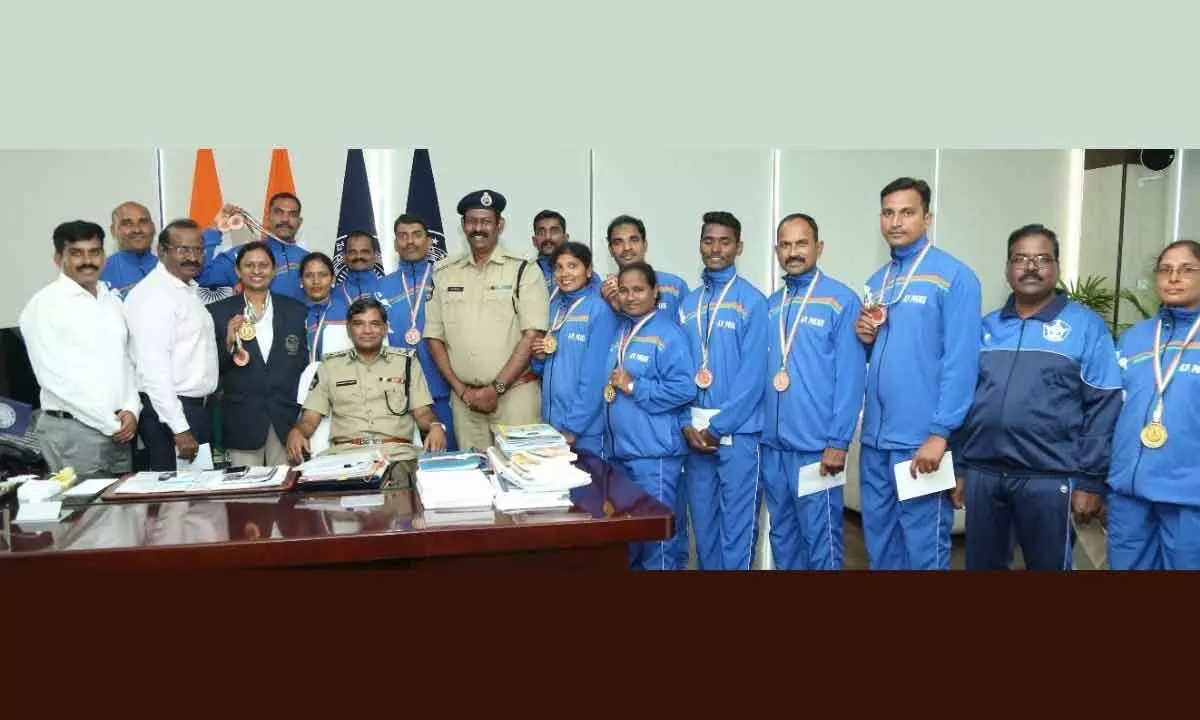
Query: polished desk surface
point(322, 529)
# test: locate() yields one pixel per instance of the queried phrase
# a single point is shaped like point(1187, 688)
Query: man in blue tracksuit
point(359, 268)
point(922, 334)
point(816, 373)
point(134, 230)
point(627, 244)
point(1154, 506)
point(725, 321)
point(283, 221)
point(405, 293)
point(1035, 444)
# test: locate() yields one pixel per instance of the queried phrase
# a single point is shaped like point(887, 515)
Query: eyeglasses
point(1042, 260)
point(1186, 271)
point(197, 250)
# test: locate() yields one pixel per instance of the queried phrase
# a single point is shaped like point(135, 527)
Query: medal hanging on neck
point(874, 305)
point(704, 376)
point(247, 332)
point(610, 392)
point(782, 380)
point(550, 342)
point(413, 335)
point(1154, 433)
point(241, 357)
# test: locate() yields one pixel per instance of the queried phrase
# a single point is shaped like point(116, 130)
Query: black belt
point(193, 401)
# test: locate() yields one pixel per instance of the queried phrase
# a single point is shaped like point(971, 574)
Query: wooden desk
point(317, 530)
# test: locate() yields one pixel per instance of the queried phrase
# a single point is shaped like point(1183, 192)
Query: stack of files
point(512, 439)
point(437, 461)
point(531, 471)
point(549, 488)
point(454, 489)
point(344, 466)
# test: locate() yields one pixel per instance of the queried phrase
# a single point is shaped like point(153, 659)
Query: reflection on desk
point(332, 527)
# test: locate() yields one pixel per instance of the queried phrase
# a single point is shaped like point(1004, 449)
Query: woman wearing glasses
point(1154, 509)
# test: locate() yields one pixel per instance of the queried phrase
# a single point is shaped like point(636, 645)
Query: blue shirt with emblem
point(124, 269)
point(1171, 473)
point(1047, 396)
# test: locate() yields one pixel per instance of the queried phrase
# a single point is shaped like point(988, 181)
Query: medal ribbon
point(907, 280)
point(785, 345)
point(316, 336)
point(1161, 382)
point(623, 346)
point(414, 308)
point(560, 318)
point(712, 319)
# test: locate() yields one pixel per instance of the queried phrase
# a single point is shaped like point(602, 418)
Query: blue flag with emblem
point(357, 213)
point(14, 416)
point(423, 201)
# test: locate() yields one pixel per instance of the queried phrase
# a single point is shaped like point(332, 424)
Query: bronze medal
point(241, 358)
point(413, 336)
point(704, 378)
point(877, 315)
point(782, 381)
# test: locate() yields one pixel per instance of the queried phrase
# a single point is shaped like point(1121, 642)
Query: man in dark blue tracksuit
point(1036, 442)
point(923, 340)
point(725, 321)
point(816, 371)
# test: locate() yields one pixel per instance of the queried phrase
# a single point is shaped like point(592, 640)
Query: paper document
point(811, 481)
point(203, 460)
point(87, 488)
point(939, 480)
point(39, 512)
point(701, 417)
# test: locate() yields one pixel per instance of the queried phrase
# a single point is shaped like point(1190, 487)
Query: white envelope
point(701, 417)
point(939, 480)
point(810, 480)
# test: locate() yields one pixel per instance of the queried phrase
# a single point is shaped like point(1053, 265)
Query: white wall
point(980, 196)
point(42, 188)
point(986, 194)
point(671, 190)
point(840, 190)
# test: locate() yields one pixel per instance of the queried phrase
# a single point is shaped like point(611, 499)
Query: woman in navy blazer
point(263, 350)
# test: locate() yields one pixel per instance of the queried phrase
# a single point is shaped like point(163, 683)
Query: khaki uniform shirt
point(365, 400)
point(472, 311)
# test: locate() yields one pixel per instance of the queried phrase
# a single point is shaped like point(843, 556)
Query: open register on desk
point(177, 484)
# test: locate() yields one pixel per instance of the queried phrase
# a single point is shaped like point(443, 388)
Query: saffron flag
point(423, 201)
point(357, 213)
point(203, 207)
point(279, 179)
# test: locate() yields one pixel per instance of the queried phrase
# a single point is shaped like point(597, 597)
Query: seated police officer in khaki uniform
point(372, 395)
point(488, 306)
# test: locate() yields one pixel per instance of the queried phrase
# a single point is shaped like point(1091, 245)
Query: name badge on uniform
point(397, 380)
point(507, 286)
point(344, 383)
point(455, 288)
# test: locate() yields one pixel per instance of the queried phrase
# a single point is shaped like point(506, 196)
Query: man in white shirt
point(76, 339)
point(171, 339)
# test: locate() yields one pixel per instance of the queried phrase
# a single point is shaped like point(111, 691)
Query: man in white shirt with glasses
point(174, 349)
point(76, 339)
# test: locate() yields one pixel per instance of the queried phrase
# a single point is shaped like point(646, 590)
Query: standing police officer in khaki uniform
point(373, 395)
point(488, 307)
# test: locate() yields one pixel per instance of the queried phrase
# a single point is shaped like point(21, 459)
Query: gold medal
point(782, 381)
point(704, 378)
point(246, 331)
point(1154, 435)
point(549, 344)
point(610, 393)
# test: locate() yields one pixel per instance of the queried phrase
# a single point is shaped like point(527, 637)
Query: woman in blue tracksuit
point(649, 388)
point(572, 357)
point(316, 280)
point(1154, 507)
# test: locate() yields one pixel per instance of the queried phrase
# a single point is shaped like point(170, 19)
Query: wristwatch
point(499, 387)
